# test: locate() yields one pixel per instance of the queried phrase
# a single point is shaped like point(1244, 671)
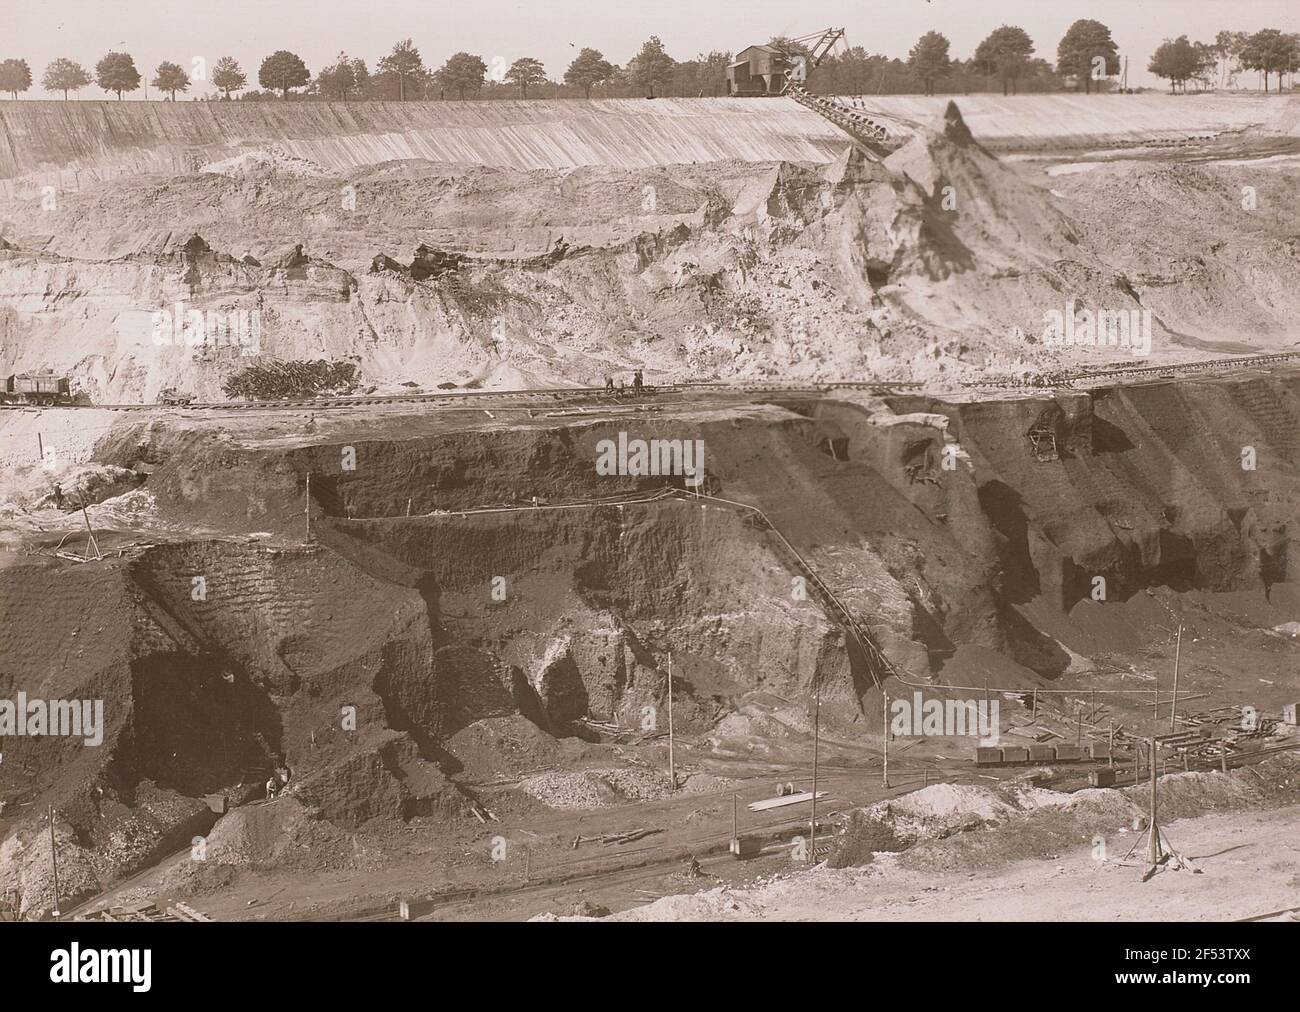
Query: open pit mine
point(577, 508)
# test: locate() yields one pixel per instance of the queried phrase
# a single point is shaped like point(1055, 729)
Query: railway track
point(478, 399)
point(1211, 365)
point(599, 397)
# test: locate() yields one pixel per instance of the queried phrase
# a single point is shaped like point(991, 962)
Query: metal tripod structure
point(1159, 850)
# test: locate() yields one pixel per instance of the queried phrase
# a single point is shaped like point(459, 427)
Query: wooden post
point(735, 817)
point(1112, 743)
point(1033, 714)
point(54, 862)
point(40, 448)
point(1173, 709)
point(812, 836)
point(1078, 732)
point(91, 543)
point(307, 511)
point(1154, 850)
point(886, 767)
point(672, 769)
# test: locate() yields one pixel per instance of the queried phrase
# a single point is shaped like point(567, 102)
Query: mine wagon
point(986, 755)
point(37, 388)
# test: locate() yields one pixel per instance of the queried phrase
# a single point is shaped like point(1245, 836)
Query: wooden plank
point(789, 799)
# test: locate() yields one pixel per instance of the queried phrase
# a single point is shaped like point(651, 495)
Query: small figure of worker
point(637, 382)
point(609, 384)
point(272, 787)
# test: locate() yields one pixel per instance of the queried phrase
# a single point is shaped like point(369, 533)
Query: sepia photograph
point(684, 462)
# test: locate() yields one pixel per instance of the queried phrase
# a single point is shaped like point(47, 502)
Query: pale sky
point(553, 30)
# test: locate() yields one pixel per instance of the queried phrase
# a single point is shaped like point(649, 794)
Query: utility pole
point(1173, 709)
point(54, 862)
point(40, 448)
point(672, 769)
point(1112, 743)
point(886, 736)
point(1154, 851)
point(307, 510)
point(812, 836)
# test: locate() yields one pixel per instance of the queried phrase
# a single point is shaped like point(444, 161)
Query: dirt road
point(1249, 864)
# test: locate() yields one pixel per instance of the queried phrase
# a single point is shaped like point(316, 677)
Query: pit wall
point(562, 614)
point(277, 657)
point(1071, 120)
point(1149, 488)
point(74, 144)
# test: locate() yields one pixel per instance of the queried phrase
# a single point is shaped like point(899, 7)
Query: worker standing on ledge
point(637, 382)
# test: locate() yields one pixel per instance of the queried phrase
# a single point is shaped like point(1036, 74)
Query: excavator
point(806, 54)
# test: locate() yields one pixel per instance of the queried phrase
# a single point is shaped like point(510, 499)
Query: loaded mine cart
point(37, 388)
point(168, 396)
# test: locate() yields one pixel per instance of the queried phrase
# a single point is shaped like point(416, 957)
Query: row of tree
point(1087, 54)
point(1085, 57)
point(401, 74)
point(1270, 51)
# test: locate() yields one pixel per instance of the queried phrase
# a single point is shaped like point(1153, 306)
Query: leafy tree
point(1175, 60)
point(588, 69)
point(929, 59)
point(1005, 55)
point(711, 72)
point(64, 75)
point(116, 72)
point(788, 48)
point(281, 71)
point(228, 75)
point(15, 76)
point(1206, 60)
point(404, 61)
point(1084, 44)
point(526, 71)
point(1271, 52)
point(346, 77)
point(171, 78)
point(463, 72)
point(652, 66)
